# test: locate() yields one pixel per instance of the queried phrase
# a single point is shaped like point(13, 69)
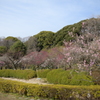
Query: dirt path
point(33, 80)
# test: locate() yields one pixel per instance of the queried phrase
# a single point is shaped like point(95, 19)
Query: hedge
point(42, 73)
point(57, 92)
point(21, 74)
point(69, 77)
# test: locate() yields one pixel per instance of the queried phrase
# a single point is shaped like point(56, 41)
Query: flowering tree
point(84, 52)
point(35, 58)
point(55, 59)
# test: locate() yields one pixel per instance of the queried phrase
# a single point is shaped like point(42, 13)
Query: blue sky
point(23, 18)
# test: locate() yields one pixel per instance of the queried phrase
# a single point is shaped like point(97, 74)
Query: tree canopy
point(17, 49)
point(45, 39)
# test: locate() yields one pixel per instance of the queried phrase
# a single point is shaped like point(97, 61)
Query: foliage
point(45, 39)
point(53, 76)
point(67, 33)
point(3, 50)
point(69, 77)
point(9, 41)
point(11, 38)
point(42, 73)
point(48, 39)
point(57, 92)
point(18, 47)
point(23, 74)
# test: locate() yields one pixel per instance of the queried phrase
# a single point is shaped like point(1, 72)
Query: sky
point(23, 18)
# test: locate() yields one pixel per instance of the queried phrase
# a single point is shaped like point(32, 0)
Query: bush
point(82, 79)
point(58, 92)
point(6, 73)
point(69, 77)
point(53, 76)
point(22, 74)
point(42, 73)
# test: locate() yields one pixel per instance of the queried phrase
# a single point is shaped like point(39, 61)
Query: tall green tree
point(45, 39)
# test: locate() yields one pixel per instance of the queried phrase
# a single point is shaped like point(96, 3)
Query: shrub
point(81, 79)
point(42, 73)
point(58, 92)
point(69, 77)
point(53, 76)
point(6, 73)
point(23, 74)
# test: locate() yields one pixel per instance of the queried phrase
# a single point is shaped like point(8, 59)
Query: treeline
point(43, 50)
point(12, 49)
point(49, 39)
point(44, 39)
